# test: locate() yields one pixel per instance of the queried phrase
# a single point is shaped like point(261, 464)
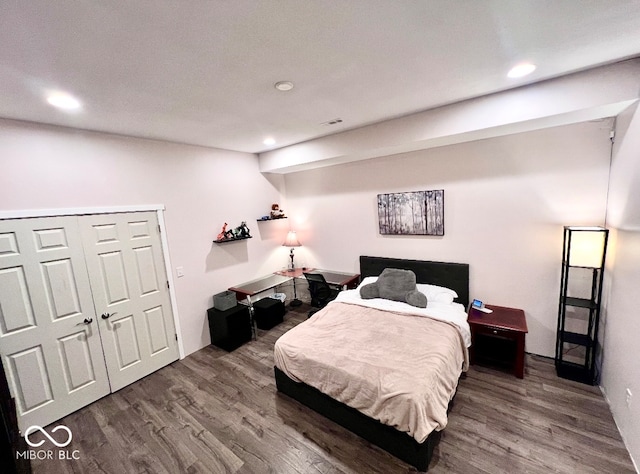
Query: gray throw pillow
point(416, 298)
point(370, 291)
point(397, 285)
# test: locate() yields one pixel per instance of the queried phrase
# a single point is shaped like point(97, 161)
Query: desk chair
point(320, 291)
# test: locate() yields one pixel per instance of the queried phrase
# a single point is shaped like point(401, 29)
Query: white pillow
point(433, 293)
point(437, 293)
point(366, 281)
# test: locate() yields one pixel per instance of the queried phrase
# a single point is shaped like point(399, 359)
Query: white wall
point(46, 167)
point(506, 200)
point(621, 369)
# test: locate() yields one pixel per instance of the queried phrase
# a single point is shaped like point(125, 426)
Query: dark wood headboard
point(449, 275)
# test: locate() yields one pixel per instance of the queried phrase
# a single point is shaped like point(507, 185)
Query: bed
point(373, 389)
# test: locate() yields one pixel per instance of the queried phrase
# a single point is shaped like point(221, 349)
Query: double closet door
point(84, 309)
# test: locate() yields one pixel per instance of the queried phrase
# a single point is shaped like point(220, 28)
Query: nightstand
point(497, 339)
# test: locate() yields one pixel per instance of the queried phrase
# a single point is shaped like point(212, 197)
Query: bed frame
point(398, 443)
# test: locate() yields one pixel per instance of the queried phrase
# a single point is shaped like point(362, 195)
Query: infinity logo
point(33, 428)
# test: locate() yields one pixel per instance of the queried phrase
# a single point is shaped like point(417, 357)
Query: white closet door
point(49, 339)
point(129, 283)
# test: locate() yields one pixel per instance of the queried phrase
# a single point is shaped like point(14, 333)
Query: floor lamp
point(292, 241)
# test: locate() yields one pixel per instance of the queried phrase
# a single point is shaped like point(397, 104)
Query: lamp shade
point(291, 240)
point(587, 246)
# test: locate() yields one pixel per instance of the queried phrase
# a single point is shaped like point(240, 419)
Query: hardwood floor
point(219, 412)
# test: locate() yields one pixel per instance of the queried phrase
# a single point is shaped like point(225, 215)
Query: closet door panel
point(16, 311)
point(126, 269)
point(49, 339)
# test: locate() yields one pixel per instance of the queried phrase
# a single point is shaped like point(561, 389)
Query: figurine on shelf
point(242, 231)
point(223, 233)
point(276, 212)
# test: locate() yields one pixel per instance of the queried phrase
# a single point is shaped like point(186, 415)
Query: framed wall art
point(412, 213)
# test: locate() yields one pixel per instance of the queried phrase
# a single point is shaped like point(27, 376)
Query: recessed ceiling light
point(521, 70)
point(63, 101)
point(283, 86)
point(269, 141)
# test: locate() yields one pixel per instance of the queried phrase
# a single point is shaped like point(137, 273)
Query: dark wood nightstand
point(497, 338)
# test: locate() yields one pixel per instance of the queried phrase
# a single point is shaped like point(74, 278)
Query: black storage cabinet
point(231, 328)
point(268, 312)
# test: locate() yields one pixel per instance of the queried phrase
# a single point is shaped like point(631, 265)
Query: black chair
point(321, 292)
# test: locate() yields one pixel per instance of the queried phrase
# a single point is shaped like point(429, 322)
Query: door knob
point(86, 321)
point(107, 315)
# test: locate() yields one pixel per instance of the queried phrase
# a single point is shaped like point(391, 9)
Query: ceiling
point(203, 71)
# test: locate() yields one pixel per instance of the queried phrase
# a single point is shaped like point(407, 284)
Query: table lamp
point(291, 241)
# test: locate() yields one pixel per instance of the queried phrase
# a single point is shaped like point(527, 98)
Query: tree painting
point(414, 213)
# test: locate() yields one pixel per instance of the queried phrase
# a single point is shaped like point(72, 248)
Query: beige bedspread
point(399, 369)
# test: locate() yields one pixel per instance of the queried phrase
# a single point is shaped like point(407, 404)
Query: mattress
point(397, 364)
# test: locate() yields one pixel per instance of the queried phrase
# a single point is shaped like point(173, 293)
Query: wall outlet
point(179, 272)
point(629, 395)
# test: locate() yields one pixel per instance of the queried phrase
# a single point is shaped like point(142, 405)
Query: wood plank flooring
point(219, 412)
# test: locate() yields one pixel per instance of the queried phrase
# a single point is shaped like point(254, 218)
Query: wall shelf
point(224, 241)
point(262, 219)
